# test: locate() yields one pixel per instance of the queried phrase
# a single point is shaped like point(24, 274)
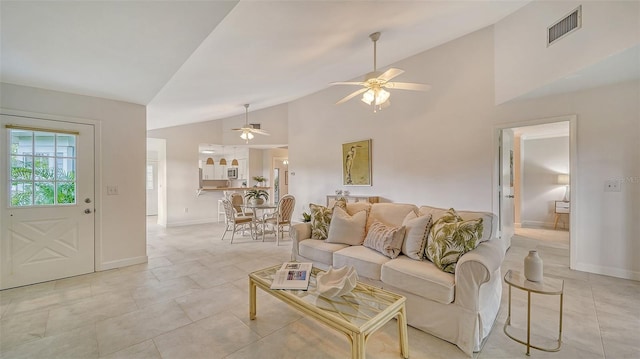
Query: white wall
point(543, 160)
point(436, 147)
point(183, 206)
point(427, 148)
point(608, 27)
point(121, 226)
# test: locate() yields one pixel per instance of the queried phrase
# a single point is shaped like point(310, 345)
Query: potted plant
point(259, 179)
point(256, 196)
point(306, 217)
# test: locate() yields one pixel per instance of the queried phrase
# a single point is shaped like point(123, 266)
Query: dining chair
point(281, 217)
point(237, 201)
point(235, 222)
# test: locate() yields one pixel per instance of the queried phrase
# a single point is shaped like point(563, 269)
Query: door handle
point(510, 196)
point(87, 211)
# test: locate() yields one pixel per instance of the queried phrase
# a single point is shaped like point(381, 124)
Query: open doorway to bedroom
point(537, 180)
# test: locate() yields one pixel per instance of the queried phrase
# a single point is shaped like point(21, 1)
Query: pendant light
point(223, 161)
point(235, 160)
point(209, 161)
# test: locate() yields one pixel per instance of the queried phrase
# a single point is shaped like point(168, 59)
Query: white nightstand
point(562, 207)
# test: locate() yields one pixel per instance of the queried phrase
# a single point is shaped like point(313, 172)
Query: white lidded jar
point(533, 267)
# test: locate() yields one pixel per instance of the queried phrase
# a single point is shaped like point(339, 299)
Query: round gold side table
point(548, 286)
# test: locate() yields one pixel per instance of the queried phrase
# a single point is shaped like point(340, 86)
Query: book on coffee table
point(292, 275)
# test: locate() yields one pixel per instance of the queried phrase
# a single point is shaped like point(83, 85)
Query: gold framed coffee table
point(357, 314)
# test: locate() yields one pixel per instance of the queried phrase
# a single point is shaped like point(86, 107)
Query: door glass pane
point(21, 193)
point(21, 168)
point(66, 192)
point(66, 169)
point(43, 168)
point(21, 142)
point(66, 145)
point(43, 193)
point(45, 143)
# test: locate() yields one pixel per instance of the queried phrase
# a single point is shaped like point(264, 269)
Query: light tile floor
point(191, 301)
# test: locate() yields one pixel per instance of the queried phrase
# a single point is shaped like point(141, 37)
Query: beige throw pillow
point(385, 239)
point(415, 238)
point(345, 228)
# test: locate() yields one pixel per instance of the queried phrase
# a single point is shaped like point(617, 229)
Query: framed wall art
point(356, 163)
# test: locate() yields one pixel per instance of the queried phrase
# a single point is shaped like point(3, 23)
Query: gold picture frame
point(356, 163)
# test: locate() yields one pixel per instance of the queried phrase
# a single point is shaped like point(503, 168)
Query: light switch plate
point(112, 190)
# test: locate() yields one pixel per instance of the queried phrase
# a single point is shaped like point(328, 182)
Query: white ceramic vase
point(533, 267)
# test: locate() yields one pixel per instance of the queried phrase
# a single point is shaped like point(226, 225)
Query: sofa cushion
point(391, 214)
point(450, 237)
point(366, 261)
point(489, 220)
point(355, 207)
point(385, 239)
point(421, 278)
point(347, 229)
point(321, 218)
point(415, 238)
point(319, 250)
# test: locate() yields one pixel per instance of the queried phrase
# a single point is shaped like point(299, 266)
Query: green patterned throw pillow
point(450, 237)
point(321, 218)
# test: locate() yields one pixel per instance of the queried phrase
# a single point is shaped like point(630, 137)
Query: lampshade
point(246, 135)
point(209, 161)
point(223, 162)
point(377, 96)
point(563, 179)
point(234, 162)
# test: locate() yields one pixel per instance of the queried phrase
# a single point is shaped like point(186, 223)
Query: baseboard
point(121, 263)
point(608, 271)
point(192, 222)
point(538, 224)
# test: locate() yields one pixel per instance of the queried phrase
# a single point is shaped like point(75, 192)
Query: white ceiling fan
point(376, 82)
point(248, 130)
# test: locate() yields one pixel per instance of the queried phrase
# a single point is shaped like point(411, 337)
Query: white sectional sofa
point(460, 308)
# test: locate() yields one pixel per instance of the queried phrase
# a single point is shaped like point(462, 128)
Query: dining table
point(258, 220)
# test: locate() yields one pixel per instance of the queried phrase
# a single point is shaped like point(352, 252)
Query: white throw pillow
point(347, 229)
point(385, 239)
point(415, 239)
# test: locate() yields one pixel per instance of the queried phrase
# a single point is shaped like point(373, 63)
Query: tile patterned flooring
point(191, 301)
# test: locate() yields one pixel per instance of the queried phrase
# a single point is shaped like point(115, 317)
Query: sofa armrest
point(475, 268)
point(298, 233)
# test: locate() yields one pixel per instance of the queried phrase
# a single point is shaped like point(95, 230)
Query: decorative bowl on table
point(336, 282)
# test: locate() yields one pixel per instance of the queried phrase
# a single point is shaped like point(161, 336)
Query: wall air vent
point(255, 126)
point(565, 26)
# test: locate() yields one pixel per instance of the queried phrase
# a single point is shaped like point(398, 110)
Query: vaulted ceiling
point(193, 61)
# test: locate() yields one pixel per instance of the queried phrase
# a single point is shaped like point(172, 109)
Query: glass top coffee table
point(357, 314)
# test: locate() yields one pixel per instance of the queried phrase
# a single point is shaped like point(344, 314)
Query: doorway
point(47, 205)
point(280, 173)
point(544, 157)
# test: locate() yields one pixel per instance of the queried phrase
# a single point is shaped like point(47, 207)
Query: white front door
point(506, 177)
point(46, 200)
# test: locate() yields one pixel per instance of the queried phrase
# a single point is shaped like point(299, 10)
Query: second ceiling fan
point(248, 130)
point(376, 82)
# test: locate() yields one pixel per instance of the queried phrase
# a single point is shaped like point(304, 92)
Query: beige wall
point(121, 226)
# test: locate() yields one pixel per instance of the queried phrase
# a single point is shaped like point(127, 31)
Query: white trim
point(573, 169)
point(191, 222)
point(122, 263)
point(609, 271)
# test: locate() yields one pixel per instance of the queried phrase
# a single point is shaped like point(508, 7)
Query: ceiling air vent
point(255, 126)
point(565, 26)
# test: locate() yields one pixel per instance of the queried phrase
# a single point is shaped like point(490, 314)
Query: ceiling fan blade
point(236, 129)
point(346, 83)
point(260, 132)
point(407, 86)
point(352, 95)
point(389, 74)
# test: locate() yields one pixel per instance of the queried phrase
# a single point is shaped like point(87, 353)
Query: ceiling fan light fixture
point(376, 97)
point(246, 135)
